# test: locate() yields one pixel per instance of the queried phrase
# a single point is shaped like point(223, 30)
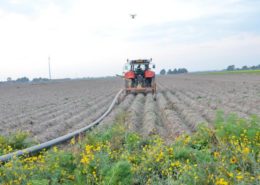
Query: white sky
point(94, 38)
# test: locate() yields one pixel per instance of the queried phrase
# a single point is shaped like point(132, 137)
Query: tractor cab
point(139, 76)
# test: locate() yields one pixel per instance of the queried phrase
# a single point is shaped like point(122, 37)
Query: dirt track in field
point(183, 101)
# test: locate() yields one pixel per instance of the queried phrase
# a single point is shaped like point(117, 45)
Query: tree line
point(26, 80)
point(174, 71)
point(233, 68)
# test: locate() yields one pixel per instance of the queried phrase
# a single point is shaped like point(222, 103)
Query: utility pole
point(49, 58)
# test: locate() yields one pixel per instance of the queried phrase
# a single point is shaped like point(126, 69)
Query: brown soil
point(183, 101)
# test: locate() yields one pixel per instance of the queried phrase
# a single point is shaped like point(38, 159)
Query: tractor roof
point(140, 61)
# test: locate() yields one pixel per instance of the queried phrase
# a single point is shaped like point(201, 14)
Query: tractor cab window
point(139, 66)
point(127, 67)
point(139, 69)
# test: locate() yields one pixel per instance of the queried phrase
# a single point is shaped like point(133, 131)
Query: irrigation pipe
point(62, 139)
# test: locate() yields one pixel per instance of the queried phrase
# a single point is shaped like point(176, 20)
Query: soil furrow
point(206, 112)
point(135, 114)
point(174, 124)
point(150, 118)
point(67, 118)
point(66, 126)
point(120, 109)
point(192, 119)
point(39, 116)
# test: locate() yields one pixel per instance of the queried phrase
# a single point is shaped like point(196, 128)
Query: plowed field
point(54, 109)
point(183, 101)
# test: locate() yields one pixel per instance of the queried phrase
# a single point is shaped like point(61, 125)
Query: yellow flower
point(187, 140)
point(9, 149)
point(170, 151)
point(239, 177)
point(176, 164)
point(221, 181)
point(159, 157)
point(231, 174)
point(98, 148)
point(72, 141)
point(55, 149)
point(216, 154)
point(9, 165)
point(84, 160)
point(233, 160)
point(71, 177)
point(88, 149)
point(246, 150)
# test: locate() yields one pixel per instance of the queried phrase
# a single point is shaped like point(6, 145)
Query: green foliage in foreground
point(14, 142)
point(227, 154)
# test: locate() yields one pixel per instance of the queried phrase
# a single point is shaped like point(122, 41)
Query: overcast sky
point(95, 37)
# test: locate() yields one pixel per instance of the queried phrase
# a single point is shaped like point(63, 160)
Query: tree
point(163, 72)
point(23, 80)
point(9, 79)
point(169, 72)
point(244, 68)
point(183, 70)
point(40, 79)
point(231, 68)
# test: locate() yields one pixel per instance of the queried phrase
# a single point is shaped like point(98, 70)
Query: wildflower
point(239, 177)
point(9, 165)
point(233, 160)
point(216, 154)
point(246, 150)
point(187, 139)
point(55, 149)
point(149, 181)
point(170, 151)
point(94, 174)
point(231, 174)
point(88, 149)
point(72, 141)
point(85, 160)
point(9, 149)
point(221, 181)
point(71, 177)
point(98, 148)
point(176, 164)
point(159, 157)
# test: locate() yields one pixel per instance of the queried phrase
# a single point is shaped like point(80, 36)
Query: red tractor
point(139, 78)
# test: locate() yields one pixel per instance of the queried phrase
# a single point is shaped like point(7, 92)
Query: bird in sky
point(133, 16)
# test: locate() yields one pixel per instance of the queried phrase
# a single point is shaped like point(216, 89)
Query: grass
point(15, 141)
point(233, 72)
point(226, 154)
